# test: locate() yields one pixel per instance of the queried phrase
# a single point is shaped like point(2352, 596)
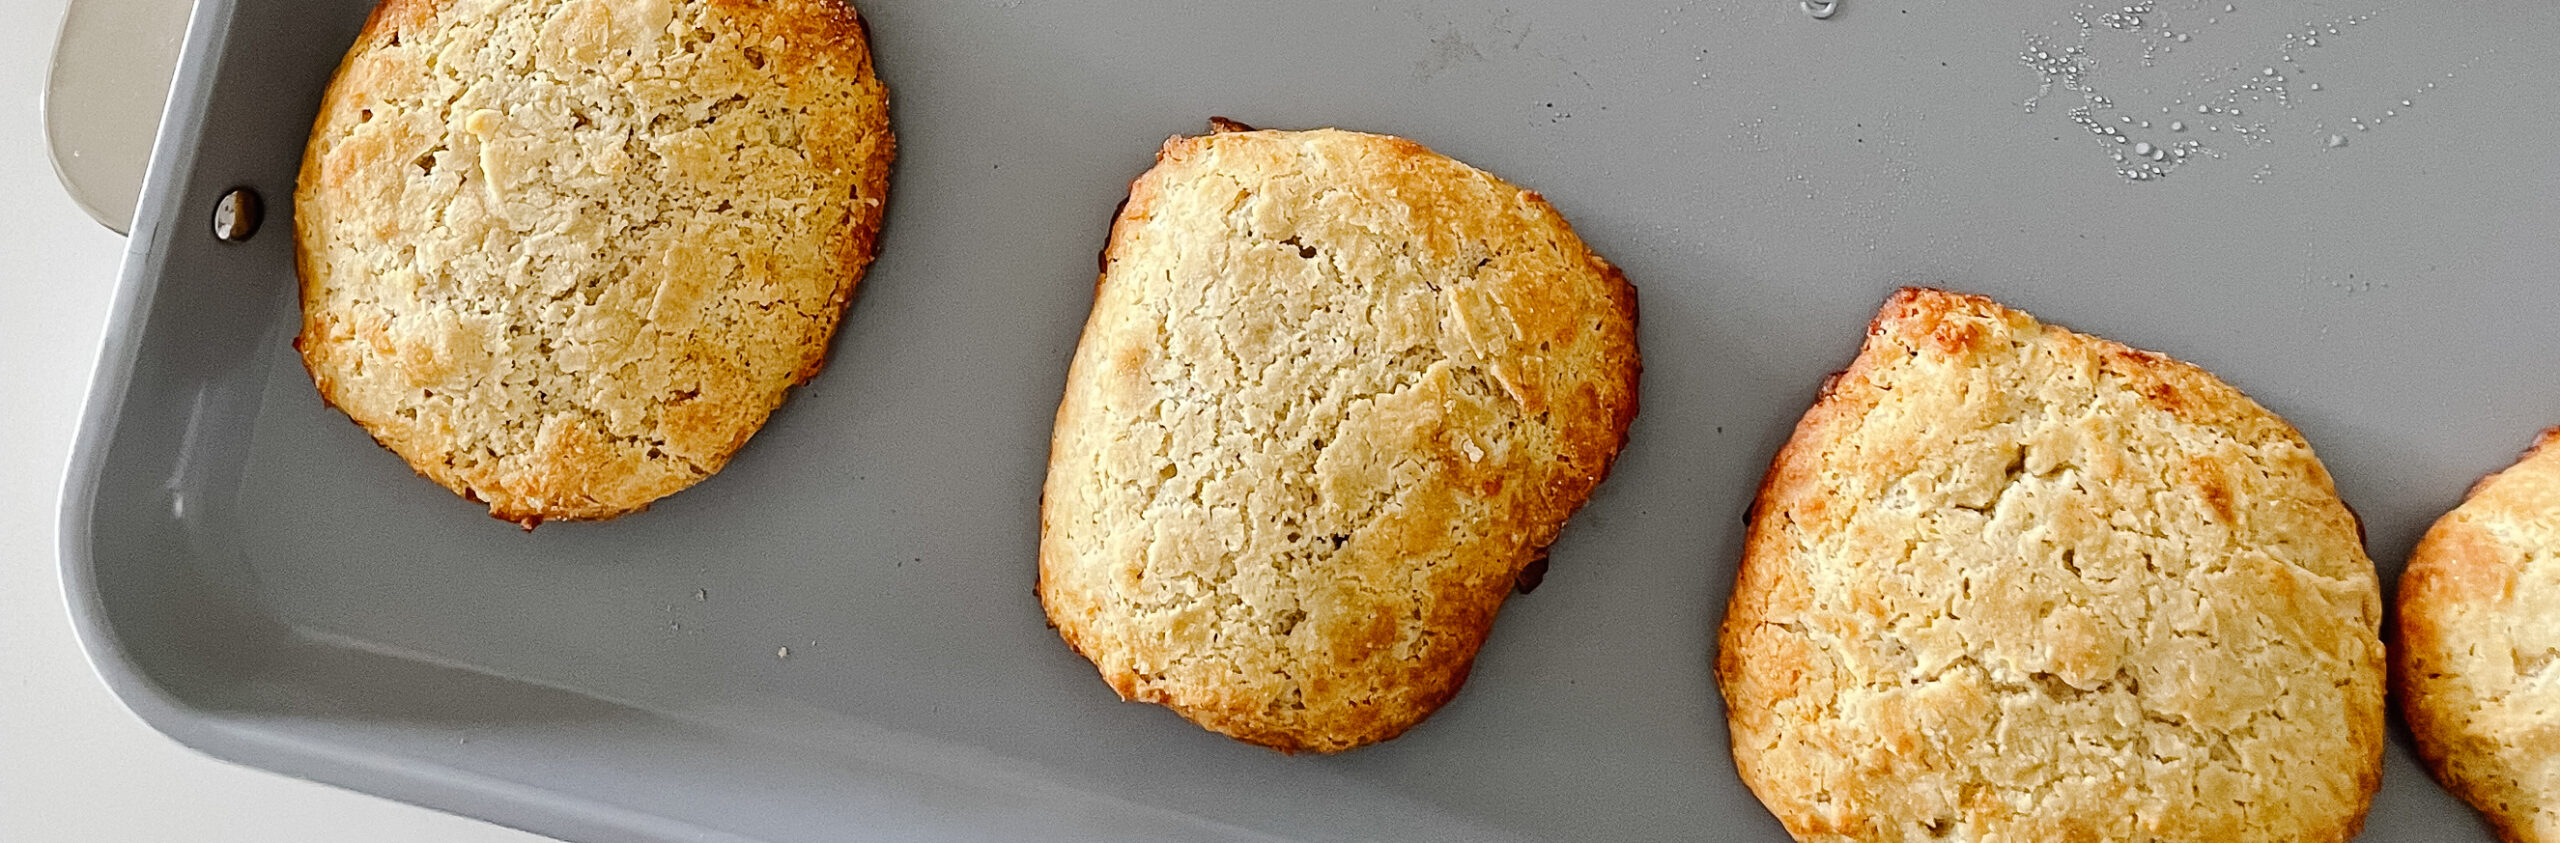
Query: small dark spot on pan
point(1531, 575)
point(1102, 259)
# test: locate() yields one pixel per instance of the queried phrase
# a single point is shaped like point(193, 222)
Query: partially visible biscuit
point(1337, 392)
point(2477, 659)
point(2009, 582)
point(565, 256)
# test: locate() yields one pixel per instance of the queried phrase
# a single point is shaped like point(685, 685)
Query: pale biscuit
point(1336, 394)
point(2477, 654)
point(2009, 582)
point(565, 257)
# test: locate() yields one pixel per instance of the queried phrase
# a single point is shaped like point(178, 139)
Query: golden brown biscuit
point(1337, 391)
point(2478, 646)
point(2009, 582)
point(565, 257)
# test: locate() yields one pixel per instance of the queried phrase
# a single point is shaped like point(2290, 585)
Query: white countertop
point(74, 764)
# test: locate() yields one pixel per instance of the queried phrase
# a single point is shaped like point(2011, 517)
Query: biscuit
point(2478, 646)
point(565, 257)
point(1336, 394)
point(2009, 582)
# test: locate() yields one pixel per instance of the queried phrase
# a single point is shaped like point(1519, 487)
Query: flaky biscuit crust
point(2477, 655)
point(1336, 392)
point(566, 257)
point(2009, 582)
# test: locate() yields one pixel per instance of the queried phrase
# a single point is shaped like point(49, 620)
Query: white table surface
point(74, 764)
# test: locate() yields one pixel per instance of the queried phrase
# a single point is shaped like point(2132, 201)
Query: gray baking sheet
point(2364, 246)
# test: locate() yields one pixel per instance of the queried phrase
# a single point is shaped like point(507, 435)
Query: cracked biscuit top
point(2477, 655)
point(1336, 393)
point(2009, 582)
point(565, 257)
